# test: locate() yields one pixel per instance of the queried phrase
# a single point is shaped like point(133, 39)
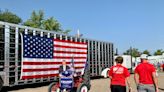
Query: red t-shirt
point(145, 71)
point(118, 73)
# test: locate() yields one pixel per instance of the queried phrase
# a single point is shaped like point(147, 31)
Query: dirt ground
point(98, 85)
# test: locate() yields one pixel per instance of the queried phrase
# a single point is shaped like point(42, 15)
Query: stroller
point(70, 82)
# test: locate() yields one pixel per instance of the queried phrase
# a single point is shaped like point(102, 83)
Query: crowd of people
point(144, 75)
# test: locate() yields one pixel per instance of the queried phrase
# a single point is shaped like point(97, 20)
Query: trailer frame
point(100, 53)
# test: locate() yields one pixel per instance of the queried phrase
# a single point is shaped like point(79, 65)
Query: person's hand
point(75, 75)
point(157, 90)
point(130, 89)
point(60, 75)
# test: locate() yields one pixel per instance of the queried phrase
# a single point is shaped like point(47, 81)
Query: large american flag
point(42, 56)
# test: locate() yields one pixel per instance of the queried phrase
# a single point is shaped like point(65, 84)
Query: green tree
point(37, 20)
point(51, 24)
point(146, 52)
point(10, 17)
point(158, 52)
point(132, 51)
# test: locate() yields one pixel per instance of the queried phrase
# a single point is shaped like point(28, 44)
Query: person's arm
point(127, 78)
point(128, 82)
point(110, 77)
point(155, 81)
point(136, 78)
point(110, 73)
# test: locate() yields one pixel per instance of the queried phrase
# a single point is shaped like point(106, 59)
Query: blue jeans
point(145, 88)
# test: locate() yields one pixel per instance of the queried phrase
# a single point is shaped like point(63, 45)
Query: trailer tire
point(53, 87)
point(82, 88)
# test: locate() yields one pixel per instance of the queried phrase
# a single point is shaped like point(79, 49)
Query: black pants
point(118, 88)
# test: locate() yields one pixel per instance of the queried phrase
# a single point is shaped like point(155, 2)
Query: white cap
point(144, 56)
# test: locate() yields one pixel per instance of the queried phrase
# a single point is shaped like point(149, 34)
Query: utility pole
point(131, 70)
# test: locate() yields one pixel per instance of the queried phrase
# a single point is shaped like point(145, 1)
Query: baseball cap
point(144, 56)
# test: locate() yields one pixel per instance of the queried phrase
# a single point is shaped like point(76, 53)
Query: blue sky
point(136, 23)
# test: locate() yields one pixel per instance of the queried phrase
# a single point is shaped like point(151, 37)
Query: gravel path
point(98, 85)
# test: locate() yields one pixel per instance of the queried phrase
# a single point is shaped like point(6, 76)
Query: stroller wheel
point(82, 88)
point(54, 87)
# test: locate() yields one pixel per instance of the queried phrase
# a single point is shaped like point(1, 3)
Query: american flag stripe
point(71, 42)
point(40, 73)
point(45, 74)
point(68, 60)
point(30, 75)
point(40, 66)
point(47, 66)
point(46, 69)
point(70, 55)
point(48, 63)
point(43, 56)
point(69, 49)
point(75, 47)
point(52, 60)
point(64, 57)
point(69, 52)
point(38, 76)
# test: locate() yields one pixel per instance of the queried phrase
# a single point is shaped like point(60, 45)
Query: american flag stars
point(38, 47)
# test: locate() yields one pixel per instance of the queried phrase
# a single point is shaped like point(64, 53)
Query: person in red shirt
point(119, 75)
point(145, 76)
point(163, 67)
